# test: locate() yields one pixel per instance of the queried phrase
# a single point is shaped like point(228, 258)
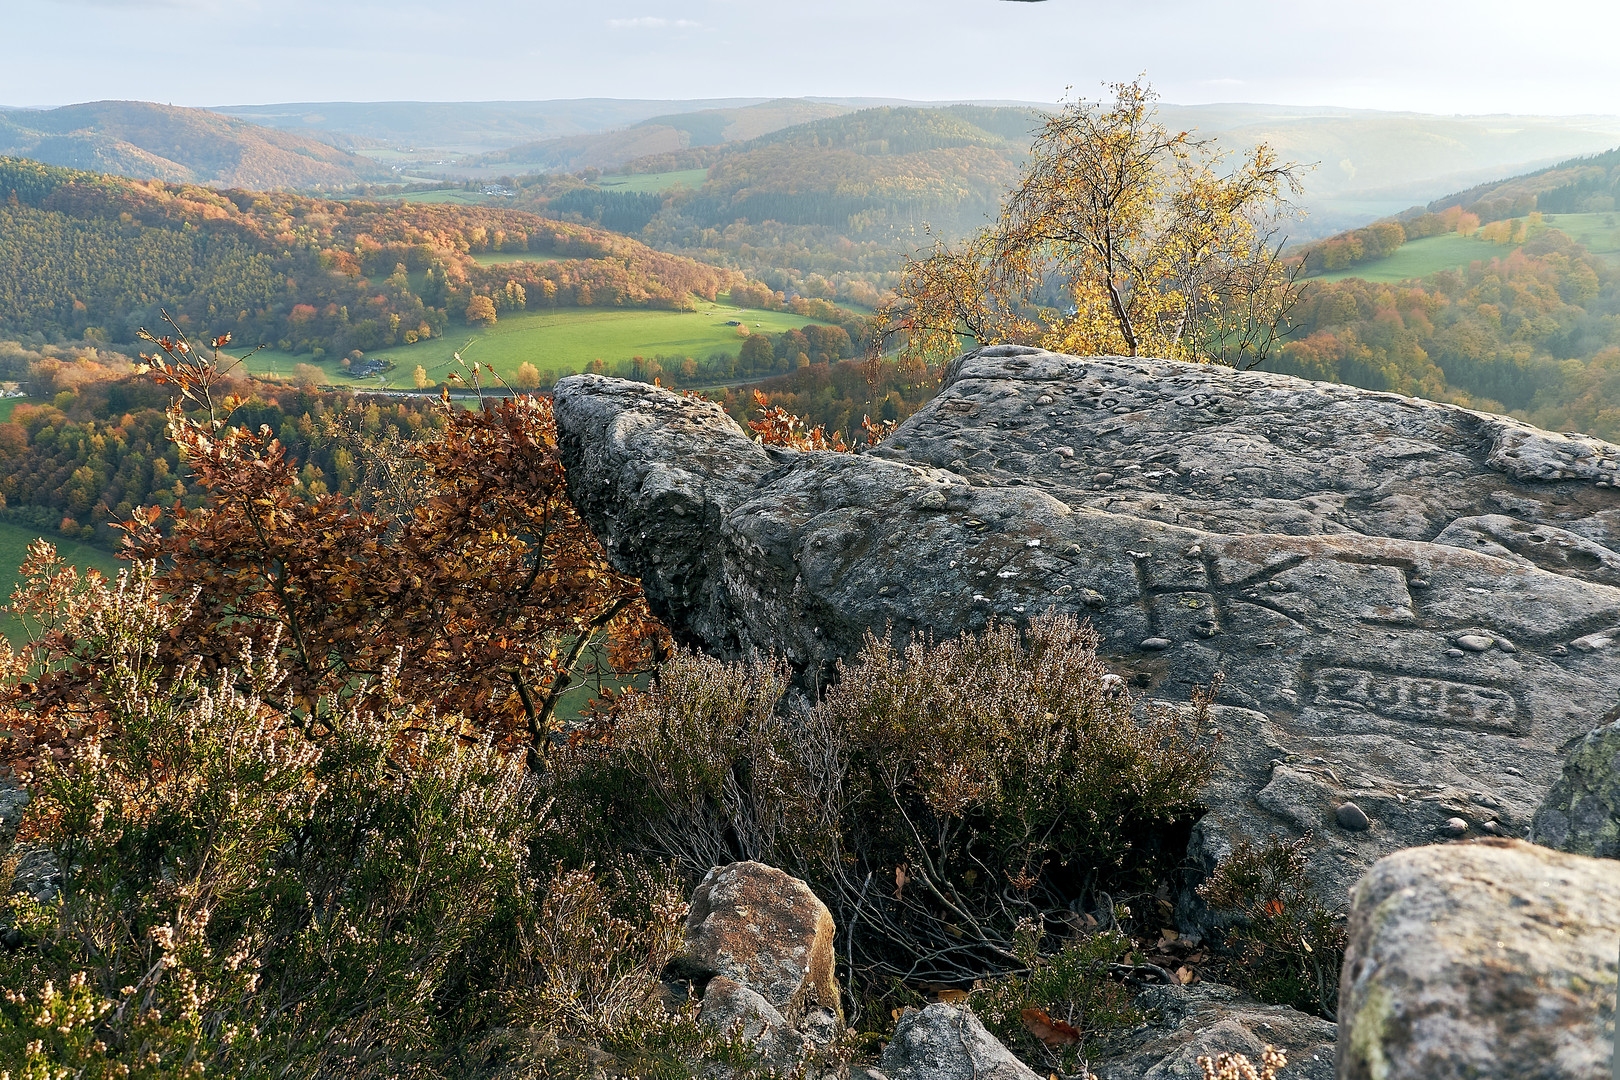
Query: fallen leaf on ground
point(1049, 1031)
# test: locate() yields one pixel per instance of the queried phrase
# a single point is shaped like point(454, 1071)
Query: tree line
point(100, 451)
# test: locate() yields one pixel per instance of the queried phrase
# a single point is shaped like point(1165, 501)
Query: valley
point(1015, 541)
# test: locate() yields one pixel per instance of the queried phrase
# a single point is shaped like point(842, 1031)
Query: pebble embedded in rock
point(1455, 653)
point(1475, 642)
point(1593, 642)
point(1104, 478)
point(1154, 644)
point(1044, 399)
point(931, 500)
point(1063, 451)
point(1352, 817)
point(1454, 827)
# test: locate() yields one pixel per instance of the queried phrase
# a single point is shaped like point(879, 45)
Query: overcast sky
point(1479, 56)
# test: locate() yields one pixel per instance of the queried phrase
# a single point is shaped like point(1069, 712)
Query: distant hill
point(657, 135)
point(145, 141)
point(467, 127)
point(847, 196)
point(951, 172)
point(477, 127)
point(842, 197)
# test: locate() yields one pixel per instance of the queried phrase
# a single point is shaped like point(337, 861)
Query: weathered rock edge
point(1416, 605)
point(1581, 814)
point(1492, 958)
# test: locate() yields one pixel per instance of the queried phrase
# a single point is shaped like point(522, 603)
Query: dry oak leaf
point(1049, 1031)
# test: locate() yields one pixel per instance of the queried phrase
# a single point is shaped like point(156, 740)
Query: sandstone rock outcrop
point(1490, 958)
point(1582, 812)
point(1416, 606)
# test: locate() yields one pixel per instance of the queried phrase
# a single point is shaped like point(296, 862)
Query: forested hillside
point(95, 257)
point(1579, 185)
point(826, 208)
point(146, 141)
point(1530, 326)
point(100, 450)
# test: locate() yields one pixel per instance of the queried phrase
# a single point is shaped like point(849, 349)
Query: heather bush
point(1052, 1010)
point(935, 796)
point(1285, 946)
point(234, 893)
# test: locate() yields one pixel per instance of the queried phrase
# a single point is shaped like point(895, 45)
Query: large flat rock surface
point(1416, 606)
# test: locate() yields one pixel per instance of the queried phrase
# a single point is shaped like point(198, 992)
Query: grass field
point(9, 405)
point(563, 340)
point(663, 181)
point(1420, 258)
point(459, 198)
point(500, 258)
point(1598, 233)
point(14, 541)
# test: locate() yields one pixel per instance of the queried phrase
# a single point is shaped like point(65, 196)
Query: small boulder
point(947, 1042)
point(1581, 813)
point(1491, 958)
point(729, 1005)
point(1207, 1020)
point(766, 931)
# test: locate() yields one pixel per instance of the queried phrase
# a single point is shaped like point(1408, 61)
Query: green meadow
point(563, 340)
point(449, 195)
point(1420, 258)
point(663, 181)
point(1599, 233)
point(501, 258)
point(9, 405)
point(14, 541)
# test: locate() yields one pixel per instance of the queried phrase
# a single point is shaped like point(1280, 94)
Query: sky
point(1439, 56)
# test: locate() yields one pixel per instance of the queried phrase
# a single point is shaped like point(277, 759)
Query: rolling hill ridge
point(145, 141)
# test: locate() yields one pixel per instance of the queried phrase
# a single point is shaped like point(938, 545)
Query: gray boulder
point(1582, 812)
point(1207, 1020)
point(947, 1042)
point(728, 1006)
point(1491, 958)
point(1414, 604)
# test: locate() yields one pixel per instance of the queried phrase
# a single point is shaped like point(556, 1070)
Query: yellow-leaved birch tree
point(1122, 238)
